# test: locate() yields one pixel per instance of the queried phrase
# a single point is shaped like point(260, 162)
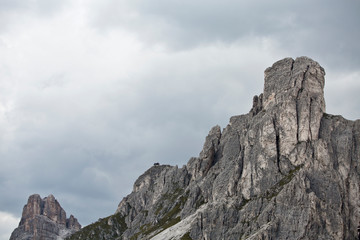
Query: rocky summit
point(44, 219)
point(285, 170)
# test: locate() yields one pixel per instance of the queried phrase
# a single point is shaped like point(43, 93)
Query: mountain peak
point(287, 77)
point(285, 170)
point(44, 218)
point(294, 98)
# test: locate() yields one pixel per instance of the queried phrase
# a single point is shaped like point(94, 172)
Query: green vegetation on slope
point(110, 227)
point(186, 237)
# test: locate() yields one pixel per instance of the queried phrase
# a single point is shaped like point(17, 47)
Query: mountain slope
point(285, 170)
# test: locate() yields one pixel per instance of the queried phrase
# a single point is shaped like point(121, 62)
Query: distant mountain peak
point(44, 218)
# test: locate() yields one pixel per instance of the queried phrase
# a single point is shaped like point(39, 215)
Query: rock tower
point(44, 219)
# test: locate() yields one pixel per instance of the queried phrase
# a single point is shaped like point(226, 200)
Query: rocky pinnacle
point(44, 219)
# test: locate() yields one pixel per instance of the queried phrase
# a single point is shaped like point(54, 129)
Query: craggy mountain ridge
point(44, 219)
point(285, 170)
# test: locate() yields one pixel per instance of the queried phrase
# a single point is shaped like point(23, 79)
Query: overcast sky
point(92, 93)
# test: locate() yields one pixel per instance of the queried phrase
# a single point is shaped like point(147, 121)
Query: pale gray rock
point(44, 219)
point(72, 223)
point(198, 167)
point(285, 170)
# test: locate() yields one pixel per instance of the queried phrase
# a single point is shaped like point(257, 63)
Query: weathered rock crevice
point(277, 143)
point(298, 100)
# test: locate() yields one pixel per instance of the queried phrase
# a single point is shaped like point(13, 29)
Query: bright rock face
point(285, 170)
point(44, 219)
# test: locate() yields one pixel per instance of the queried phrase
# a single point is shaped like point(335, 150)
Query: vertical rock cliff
point(44, 219)
point(285, 170)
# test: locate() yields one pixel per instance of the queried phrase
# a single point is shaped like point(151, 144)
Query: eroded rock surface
point(285, 170)
point(44, 219)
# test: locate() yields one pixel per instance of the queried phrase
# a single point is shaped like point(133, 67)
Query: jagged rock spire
point(296, 89)
point(44, 219)
point(294, 96)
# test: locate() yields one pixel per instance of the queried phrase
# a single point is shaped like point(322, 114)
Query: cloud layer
point(7, 224)
point(93, 93)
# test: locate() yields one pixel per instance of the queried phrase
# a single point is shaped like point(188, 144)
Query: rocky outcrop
point(44, 219)
point(285, 170)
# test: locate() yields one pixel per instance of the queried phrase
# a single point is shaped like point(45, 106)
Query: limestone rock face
point(285, 170)
point(44, 219)
point(72, 223)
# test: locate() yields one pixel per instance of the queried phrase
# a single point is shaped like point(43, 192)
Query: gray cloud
point(17, 12)
point(321, 28)
point(43, 7)
point(92, 94)
point(7, 223)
